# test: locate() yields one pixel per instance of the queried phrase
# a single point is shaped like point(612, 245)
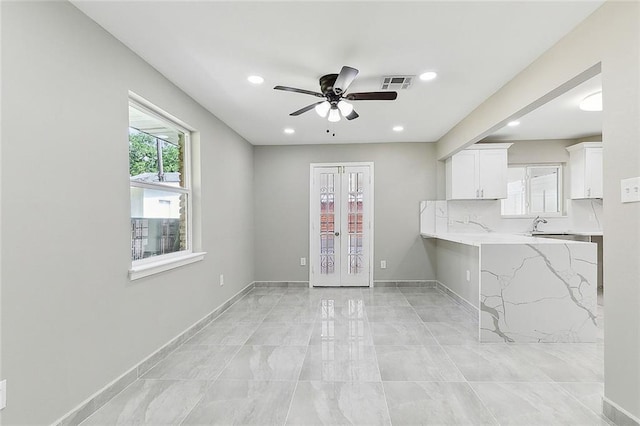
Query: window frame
point(529, 214)
point(151, 265)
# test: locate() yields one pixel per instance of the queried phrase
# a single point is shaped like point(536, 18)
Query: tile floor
point(398, 356)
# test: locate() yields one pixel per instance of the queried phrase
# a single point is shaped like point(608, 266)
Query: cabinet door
point(593, 172)
point(462, 171)
point(493, 173)
point(578, 173)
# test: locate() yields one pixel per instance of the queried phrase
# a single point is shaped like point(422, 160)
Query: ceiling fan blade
point(344, 79)
point(293, 89)
point(305, 109)
point(372, 96)
point(352, 116)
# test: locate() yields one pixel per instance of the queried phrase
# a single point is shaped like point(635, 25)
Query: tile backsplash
point(478, 216)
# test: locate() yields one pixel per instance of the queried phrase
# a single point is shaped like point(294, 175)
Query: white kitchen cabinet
point(479, 172)
point(585, 168)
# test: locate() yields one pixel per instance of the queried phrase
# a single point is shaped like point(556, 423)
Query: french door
point(341, 225)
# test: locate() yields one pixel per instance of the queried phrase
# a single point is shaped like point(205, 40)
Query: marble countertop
point(496, 238)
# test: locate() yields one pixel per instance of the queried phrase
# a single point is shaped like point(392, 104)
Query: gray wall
point(71, 319)
point(609, 38)
point(453, 261)
point(404, 175)
point(540, 151)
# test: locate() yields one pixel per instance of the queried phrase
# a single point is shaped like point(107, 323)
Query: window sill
point(152, 268)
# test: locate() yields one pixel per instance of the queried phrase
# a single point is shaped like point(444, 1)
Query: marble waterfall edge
point(538, 293)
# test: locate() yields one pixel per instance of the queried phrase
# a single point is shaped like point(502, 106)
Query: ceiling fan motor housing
point(326, 87)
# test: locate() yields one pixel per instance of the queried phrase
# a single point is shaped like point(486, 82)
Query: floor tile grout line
point(384, 392)
point(465, 377)
point(196, 404)
point(483, 403)
point(211, 382)
point(295, 387)
point(562, 388)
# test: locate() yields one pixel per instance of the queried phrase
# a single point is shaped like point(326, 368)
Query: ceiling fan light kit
point(334, 88)
point(323, 108)
point(334, 115)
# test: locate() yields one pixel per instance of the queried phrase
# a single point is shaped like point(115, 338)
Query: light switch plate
point(303, 261)
point(383, 264)
point(630, 190)
point(3, 394)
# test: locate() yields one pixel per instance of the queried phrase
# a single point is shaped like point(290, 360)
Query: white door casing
point(341, 225)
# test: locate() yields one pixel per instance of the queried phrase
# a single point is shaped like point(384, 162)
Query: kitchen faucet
point(536, 222)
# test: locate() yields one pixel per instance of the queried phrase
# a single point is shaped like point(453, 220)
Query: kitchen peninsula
point(523, 288)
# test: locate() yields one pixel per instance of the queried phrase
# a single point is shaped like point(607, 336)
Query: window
point(533, 190)
point(160, 188)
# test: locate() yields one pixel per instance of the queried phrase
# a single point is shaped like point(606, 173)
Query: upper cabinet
point(585, 166)
point(479, 172)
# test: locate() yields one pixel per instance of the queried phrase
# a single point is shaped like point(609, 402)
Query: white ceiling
point(560, 118)
point(209, 48)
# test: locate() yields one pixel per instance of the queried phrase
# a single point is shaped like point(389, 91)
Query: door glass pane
point(327, 223)
point(355, 223)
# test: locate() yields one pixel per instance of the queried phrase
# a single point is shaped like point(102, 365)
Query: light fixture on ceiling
point(429, 75)
point(323, 108)
point(289, 131)
point(513, 123)
point(593, 102)
point(334, 114)
point(398, 128)
point(255, 79)
point(345, 108)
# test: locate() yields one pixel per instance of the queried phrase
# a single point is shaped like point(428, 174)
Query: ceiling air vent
point(396, 82)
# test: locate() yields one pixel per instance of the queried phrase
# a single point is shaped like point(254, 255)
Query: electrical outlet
point(303, 261)
point(630, 190)
point(221, 279)
point(3, 394)
point(466, 220)
point(468, 275)
point(383, 264)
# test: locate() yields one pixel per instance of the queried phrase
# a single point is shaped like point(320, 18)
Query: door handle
point(337, 234)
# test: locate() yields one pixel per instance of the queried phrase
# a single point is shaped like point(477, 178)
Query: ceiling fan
point(334, 88)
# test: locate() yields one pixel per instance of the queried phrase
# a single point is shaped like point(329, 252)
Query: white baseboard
point(617, 414)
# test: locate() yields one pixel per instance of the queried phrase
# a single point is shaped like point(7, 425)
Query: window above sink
point(533, 190)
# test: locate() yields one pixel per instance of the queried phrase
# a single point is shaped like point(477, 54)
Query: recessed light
point(289, 131)
point(398, 128)
point(513, 123)
point(593, 102)
point(429, 75)
point(255, 79)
